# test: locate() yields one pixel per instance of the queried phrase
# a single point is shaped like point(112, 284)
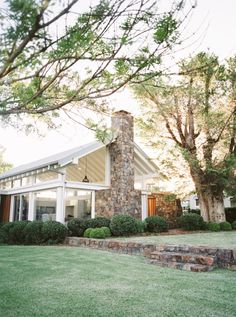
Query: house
point(192, 202)
point(87, 181)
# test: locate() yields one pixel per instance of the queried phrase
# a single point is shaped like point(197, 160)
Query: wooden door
point(151, 206)
point(5, 208)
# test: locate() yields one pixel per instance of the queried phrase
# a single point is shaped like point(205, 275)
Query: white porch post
point(31, 213)
point(11, 218)
point(107, 168)
point(60, 210)
point(93, 205)
point(144, 198)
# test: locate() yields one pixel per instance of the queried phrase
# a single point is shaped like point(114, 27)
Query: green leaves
point(165, 30)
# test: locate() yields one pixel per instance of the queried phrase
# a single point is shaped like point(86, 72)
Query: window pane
point(45, 205)
point(47, 176)
point(78, 204)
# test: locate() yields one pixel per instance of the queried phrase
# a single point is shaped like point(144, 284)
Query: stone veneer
point(121, 198)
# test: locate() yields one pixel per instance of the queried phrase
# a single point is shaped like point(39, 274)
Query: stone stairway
point(184, 258)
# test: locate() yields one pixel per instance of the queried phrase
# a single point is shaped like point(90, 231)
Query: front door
point(5, 208)
point(151, 205)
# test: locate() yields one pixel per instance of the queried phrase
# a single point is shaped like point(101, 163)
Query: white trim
point(93, 198)
point(60, 208)
point(11, 217)
point(31, 211)
point(107, 168)
point(88, 186)
point(144, 200)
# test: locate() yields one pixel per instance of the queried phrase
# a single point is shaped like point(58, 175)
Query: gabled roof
point(66, 157)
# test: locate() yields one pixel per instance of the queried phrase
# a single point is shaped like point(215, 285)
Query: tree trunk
point(211, 205)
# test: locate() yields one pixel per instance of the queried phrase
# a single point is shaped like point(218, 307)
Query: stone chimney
point(121, 198)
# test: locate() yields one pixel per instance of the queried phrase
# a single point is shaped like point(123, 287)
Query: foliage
point(87, 232)
point(92, 54)
point(140, 226)
point(17, 232)
point(156, 224)
point(53, 232)
point(76, 227)
point(100, 233)
point(197, 113)
point(122, 225)
point(225, 226)
point(5, 232)
point(230, 214)
point(97, 222)
point(4, 166)
point(234, 225)
point(33, 232)
point(213, 226)
point(191, 221)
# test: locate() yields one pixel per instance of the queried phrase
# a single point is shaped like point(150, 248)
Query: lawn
point(66, 281)
point(214, 239)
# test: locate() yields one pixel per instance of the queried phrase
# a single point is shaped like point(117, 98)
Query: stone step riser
point(183, 266)
point(183, 258)
point(187, 249)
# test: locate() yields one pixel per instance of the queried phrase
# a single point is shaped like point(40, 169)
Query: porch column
point(31, 213)
point(60, 209)
point(93, 205)
point(144, 199)
point(11, 218)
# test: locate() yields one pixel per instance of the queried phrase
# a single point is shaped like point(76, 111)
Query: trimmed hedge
point(156, 224)
point(225, 226)
point(76, 227)
point(191, 221)
point(98, 233)
point(213, 226)
point(234, 225)
point(87, 232)
point(140, 226)
point(53, 232)
point(17, 232)
point(122, 225)
point(33, 232)
point(98, 222)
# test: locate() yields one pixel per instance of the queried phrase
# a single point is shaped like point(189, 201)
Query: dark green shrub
point(97, 222)
point(5, 232)
point(97, 233)
point(191, 221)
point(33, 232)
point(17, 233)
point(122, 225)
point(156, 224)
point(87, 232)
point(225, 226)
point(234, 225)
point(53, 232)
point(213, 226)
point(140, 226)
point(107, 231)
point(76, 227)
point(230, 214)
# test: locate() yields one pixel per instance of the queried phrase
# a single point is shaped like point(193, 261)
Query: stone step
point(187, 249)
point(193, 267)
point(183, 258)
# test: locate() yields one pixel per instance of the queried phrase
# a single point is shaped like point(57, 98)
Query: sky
point(214, 23)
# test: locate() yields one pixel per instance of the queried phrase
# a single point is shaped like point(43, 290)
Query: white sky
point(216, 24)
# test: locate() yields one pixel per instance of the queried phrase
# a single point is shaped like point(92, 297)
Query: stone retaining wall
point(224, 258)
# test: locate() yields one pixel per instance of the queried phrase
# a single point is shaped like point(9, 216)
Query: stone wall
point(121, 198)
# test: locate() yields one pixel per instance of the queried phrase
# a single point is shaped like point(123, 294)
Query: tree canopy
point(197, 113)
point(54, 54)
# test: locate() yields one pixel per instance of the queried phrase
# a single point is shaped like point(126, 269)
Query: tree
point(4, 166)
point(198, 115)
point(52, 55)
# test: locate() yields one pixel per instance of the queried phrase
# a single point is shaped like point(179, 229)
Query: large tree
point(198, 115)
point(53, 55)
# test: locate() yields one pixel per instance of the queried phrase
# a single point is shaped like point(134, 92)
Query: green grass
point(214, 239)
point(64, 281)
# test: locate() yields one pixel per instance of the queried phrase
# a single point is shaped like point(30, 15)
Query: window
point(78, 204)
point(45, 205)
point(47, 176)
point(232, 202)
point(21, 207)
point(197, 201)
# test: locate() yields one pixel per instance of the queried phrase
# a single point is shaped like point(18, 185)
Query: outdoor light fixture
point(85, 180)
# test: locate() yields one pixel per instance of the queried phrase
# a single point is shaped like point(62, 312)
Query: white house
point(94, 179)
point(192, 202)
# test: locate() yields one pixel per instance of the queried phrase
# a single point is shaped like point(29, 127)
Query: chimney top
point(122, 112)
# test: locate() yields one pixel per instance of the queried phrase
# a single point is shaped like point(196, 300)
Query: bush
point(140, 226)
point(234, 225)
point(5, 232)
point(97, 222)
point(53, 232)
point(213, 226)
point(156, 224)
point(97, 233)
point(122, 225)
point(33, 232)
point(17, 233)
point(76, 227)
point(107, 231)
point(191, 221)
point(225, 226)
point(87, 232)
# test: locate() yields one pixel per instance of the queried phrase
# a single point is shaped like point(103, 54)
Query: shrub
point(87, 232)
point(156, 224)
point(97, 233)
point(225, 226)
point(53, 232)
point(107, 231)
point(234, 225)
point(17, 233)
point(122, 225)
point(191, 221)
point(97, 222)
point(76, 227)
point(33, 232)
point(140, 226)
point(5, 232)
point(213, 226)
